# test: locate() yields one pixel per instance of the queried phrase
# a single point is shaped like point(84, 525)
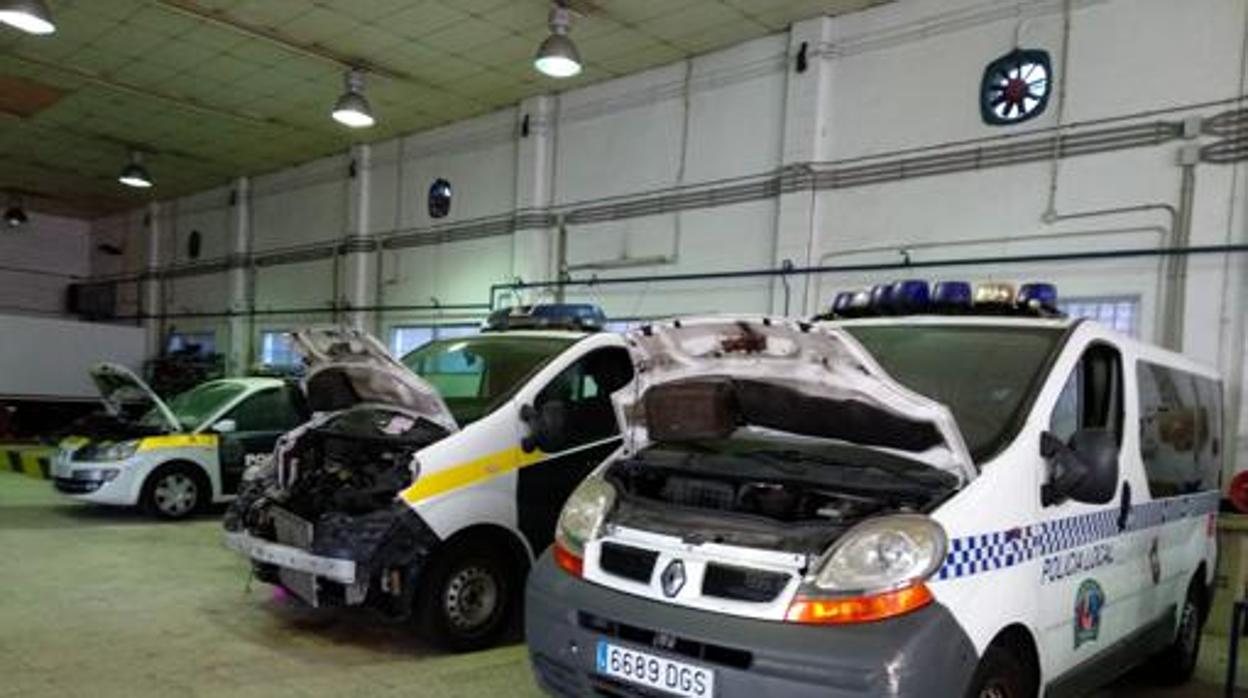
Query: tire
point(1176, 664)
point(468, 596)
point(1001, 674)
point(174, 492)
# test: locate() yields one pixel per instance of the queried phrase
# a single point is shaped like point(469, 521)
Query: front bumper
point(289, 557)
point(925, 653)
point(85, 481)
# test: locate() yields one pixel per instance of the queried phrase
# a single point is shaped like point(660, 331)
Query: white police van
point(423, 488)
point(908, 505)
point(180, 455)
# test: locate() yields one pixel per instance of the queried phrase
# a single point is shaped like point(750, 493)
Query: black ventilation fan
point(1016, 87)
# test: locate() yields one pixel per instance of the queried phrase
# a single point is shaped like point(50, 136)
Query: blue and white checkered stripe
point(987, 552)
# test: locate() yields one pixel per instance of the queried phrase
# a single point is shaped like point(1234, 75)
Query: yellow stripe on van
point(153, 443)
point(470, 473)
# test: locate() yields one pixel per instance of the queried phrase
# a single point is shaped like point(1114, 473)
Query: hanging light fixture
point(31, 16)
point(352, 108)
point(557, 56)
point(135, 174)
point(15, 215)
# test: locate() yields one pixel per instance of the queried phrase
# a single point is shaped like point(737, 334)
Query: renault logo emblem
point(673, 578)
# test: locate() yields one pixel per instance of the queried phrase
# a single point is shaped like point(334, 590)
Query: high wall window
point(201, 343)
point(405, 338)
point(1180, 430)
point(1121, 313)
point(276, 349)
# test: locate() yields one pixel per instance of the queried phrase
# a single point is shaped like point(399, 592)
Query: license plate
point(652, 671)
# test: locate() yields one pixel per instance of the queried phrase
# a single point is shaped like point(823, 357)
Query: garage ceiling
point(217, 88)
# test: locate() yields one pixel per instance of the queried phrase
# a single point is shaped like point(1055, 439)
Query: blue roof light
point(841, 305)
point(909, 296)
point(951, 296)
point(1038, 297)
point(881, 298)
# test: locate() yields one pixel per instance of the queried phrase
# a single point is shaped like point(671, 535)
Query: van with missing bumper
point(910, 505)
point(418, 490)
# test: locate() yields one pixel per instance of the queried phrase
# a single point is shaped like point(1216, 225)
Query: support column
point(359, 253)
point(240, 356)
point(534, 254)
point(807, 129)
point(153, 298)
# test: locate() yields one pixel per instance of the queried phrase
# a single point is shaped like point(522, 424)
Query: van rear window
point(987, 376)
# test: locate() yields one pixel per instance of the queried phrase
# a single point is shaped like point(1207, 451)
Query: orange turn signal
point(858, 609)
point(568, 561)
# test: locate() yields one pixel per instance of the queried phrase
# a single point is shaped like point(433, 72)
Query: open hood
point(118, 384)
point(347, 367)
point(709, 377)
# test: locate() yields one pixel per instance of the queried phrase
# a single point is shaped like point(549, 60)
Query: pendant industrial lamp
point(15, 215)
point(31, 16)
point(557, 56)
point(135, 174)
point(352, 109)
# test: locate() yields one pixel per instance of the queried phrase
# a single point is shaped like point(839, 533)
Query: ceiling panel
point(211, 89)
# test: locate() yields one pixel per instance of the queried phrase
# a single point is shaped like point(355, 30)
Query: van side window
point(269, 410)
point(585, 388)
point(1180, 429)
point(1092, 395)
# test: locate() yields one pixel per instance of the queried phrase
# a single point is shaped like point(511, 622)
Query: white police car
point(894, 506)
point(424, 488)
point(180, 455)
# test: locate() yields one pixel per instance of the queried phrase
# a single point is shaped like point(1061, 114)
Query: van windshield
point(986, 376)
point(474, 375)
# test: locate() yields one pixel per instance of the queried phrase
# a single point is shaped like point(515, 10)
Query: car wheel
point(1001, 674)
point(468, 597)
point(174, 492)
point(1176, 664)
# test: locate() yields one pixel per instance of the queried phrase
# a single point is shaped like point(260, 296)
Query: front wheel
point(1176, 664)
point(468, 596)
point(174, 492)
point(1000, 674)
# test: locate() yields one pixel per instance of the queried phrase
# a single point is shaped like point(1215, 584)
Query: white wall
point(896, 81)
point(39, 260)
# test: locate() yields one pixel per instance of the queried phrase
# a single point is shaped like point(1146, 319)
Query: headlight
point(580, 521)
point(876, 570)
point(119, 450)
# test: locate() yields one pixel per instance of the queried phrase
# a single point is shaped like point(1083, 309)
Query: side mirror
point(1085, 470)
point(547, 427)
point(225, 426)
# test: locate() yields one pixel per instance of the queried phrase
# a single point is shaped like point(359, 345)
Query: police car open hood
point(118, 385)
point(347, 367)
point(710, 377)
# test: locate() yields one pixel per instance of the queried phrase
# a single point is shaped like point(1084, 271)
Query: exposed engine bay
point(331, 489)
point(781, 499)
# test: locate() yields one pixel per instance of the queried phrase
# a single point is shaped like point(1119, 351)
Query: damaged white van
point(418, 488)
point(993, 507)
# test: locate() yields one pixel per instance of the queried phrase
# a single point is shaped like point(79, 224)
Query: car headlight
point(580, 521)
point(877, 570)
point(115, 451)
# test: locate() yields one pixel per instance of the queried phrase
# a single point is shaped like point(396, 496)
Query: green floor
point(100, 602)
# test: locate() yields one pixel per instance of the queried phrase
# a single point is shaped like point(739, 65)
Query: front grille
point(662, 642)
point(69, 486)
point(743, 584)
point(627, 562)
point(291, 529)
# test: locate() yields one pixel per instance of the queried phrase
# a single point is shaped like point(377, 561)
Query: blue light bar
point(841, 305)
point(952, 296)
point(582, 317)
point(881, 298)
point(909, 296)
point(1038, 297)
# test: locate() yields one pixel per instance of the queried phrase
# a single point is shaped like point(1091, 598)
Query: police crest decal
point(1088, 604)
